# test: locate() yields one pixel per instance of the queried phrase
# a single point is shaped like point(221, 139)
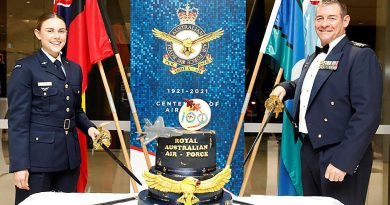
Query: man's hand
point(333, 174)
point(21, 179)
point(93, 132)
point(279, 91)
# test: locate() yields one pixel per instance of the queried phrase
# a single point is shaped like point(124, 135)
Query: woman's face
point(52, 35)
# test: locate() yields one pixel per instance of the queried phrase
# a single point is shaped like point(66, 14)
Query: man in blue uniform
point(44, 96)
point(337, 109)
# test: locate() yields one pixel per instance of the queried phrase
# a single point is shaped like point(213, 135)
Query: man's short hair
point(343, 6)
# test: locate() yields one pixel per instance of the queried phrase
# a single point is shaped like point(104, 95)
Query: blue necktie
point(59, 66)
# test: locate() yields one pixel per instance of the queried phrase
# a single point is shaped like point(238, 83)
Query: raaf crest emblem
point(187, 44)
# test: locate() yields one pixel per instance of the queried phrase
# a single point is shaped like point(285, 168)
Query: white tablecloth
point(49, 198)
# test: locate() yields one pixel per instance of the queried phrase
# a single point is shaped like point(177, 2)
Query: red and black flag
point(87, 44)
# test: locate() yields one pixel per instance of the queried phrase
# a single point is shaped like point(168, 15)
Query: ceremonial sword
point(271, 112)
point(109, 152)
point(274, 105)
point(103, 140)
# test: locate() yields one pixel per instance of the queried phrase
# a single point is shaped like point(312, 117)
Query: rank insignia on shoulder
point(17, 66)
point(360, 45)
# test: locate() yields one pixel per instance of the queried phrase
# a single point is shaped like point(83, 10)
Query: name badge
point(45, 84)
point(329, 65)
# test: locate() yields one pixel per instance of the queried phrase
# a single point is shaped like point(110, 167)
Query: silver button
point(44, 93)
point(66, 132)
point(66, 86)
point(67, 97)
point(78, 92)
point(325, 119)
point(319, 136)
point(36, 138)
point(332, 103)
point(67, 109)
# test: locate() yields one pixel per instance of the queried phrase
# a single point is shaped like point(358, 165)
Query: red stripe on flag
point(83, 176)
point(88, 43)
point(98, 40)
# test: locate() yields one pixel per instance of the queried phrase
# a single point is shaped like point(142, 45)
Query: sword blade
point(271, 112)
point(120, 163)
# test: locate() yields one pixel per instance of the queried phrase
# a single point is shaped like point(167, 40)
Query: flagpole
point(253, 79)
point(254, 153)
point(115, 116)
point(243, 110)
point(250, 16)
point(107, 24)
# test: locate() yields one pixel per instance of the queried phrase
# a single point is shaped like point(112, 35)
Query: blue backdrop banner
point(191, 49)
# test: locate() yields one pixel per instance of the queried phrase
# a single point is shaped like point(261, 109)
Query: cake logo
point(194, 114)
point(187, 44)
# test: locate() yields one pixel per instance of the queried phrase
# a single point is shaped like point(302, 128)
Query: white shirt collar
point(51, 58)
point(335, 42)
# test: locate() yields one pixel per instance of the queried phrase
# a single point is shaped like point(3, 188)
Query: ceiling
point(17, 19)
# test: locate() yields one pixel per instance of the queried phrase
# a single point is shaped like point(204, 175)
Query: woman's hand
point(93, 132)
point(21, 179)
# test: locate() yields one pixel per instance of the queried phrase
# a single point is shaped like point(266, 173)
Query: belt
point(63, 123)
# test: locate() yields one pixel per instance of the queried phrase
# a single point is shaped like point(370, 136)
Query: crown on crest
point(187, 15)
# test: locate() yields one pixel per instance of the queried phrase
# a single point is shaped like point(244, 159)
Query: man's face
point(329, 24)
point(52, 36)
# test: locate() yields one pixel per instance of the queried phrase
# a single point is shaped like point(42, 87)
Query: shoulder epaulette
point(17, 66)
point(360, 45)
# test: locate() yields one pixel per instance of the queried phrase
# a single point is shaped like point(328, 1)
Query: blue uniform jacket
point(44, 111)
point(345, 102)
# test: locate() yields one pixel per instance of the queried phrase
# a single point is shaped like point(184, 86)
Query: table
point(58, 198)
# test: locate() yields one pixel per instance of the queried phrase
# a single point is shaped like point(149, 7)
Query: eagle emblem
point(189, 185)
point(187, 44)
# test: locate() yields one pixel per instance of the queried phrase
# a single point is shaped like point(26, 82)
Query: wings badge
point(189, 185)
point(187, 44)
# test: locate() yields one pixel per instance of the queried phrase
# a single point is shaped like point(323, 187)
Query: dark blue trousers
point(63, 181)
point(351, 191)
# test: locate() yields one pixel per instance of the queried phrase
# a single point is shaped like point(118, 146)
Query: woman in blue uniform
point(44, 100)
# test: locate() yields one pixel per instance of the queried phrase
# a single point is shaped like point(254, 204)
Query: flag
point(311, 38)
point(284, 41)
point(87, 44)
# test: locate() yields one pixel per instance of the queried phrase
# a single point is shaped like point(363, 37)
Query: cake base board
point(144, 199)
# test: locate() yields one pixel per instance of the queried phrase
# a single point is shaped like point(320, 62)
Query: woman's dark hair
point(44, 17)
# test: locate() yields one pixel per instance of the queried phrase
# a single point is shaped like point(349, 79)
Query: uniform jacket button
point(332, 103)
point(36, 138)
point(66, 86)
point(67, 109)
point(319, 135)
point(67, 97)
point(325, 119)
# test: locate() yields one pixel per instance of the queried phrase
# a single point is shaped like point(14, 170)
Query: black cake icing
point(192, 154)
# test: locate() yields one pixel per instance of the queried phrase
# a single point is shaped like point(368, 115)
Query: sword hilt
point(104, 137)
point(274, 102)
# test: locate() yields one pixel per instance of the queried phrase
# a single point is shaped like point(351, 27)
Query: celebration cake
point(187, 160)
point(185, 171)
